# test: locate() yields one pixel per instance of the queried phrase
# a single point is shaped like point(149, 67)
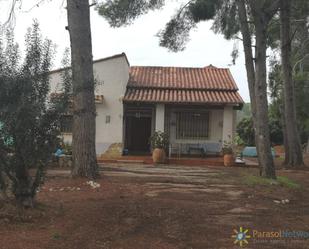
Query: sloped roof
point(182, 96)
point(182, 78)
point(96, 61)
point(182, 85)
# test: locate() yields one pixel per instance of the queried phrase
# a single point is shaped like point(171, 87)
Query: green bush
point(159, 140)
point(29, 122)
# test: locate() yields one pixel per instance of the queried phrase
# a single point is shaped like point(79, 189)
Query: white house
point(195, 106)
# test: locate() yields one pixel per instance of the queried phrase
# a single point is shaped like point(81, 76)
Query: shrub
point(29, 122)
point(159, 140)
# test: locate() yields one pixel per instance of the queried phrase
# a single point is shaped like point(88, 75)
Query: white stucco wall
point(112, 76)
point(67, 138)
point(228, 123)
point(215, 129)
point(221, 126)
point(159, 123)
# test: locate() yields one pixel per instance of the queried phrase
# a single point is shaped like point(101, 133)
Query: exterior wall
point(228, 123)
point(215, 128)
point(112, 76)
point(159, 123)
point(234, 123)
point(212, 144)
point(67, 138)
point(222, 125)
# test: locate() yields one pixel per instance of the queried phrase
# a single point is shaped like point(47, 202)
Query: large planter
point(158, 156)
point(228, 160)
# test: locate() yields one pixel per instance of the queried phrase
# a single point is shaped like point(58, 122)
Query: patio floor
point(188, 161)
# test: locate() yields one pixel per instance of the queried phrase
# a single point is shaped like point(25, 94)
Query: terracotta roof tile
point(182, 85)
point(182, 96)
point(182, 78)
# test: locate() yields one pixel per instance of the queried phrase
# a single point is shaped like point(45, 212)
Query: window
point(107, 119)
point(192, 125)
point(66, 123)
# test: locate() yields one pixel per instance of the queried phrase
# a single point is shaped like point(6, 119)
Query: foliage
point(226, 20)
point(232, 145)
point(280, 181)
point(64, 98)
point(159, 140)
point(228, 146)
point(227, 149)
point(245, 112)
point(301, 83)
point(300, 68)
point(175, 35)
point(123, 12)
point(275, 131)
point(238, 141)
point(301, 80)
point(29, 121)
point(67, 149)
point(66, 80)
point(245, 131)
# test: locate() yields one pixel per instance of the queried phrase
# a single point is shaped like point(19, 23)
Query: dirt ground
point(159, 207)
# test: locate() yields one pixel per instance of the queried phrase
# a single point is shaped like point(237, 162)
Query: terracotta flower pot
point(158, 156)
point(228, 160)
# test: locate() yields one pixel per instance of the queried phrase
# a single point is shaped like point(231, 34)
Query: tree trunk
point(263, 136)
point(285, 141)
point(3, 186)
point(247, 44)
point(84, 112)
point(293, 152)
point(256, 77)
point(23, 186)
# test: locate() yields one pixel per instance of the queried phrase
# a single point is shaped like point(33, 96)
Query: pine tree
point(84, 112)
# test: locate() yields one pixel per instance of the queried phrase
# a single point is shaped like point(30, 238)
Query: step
point(129, 161)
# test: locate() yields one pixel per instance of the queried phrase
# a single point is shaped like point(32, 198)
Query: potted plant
point(228, 154)
point(159, 143)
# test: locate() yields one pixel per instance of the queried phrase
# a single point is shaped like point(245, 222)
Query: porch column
point(160, 109)
point(228, 119)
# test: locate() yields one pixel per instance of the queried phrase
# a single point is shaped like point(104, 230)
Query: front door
point(138, 132)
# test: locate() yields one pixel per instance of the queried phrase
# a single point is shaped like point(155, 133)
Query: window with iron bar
point(192, 125)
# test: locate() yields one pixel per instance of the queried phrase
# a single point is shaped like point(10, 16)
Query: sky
point(138, 40)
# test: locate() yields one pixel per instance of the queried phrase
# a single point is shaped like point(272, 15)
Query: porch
point(188, 161)
point(196, 107)
point(193, 130)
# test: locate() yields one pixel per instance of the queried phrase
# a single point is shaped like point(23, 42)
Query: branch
point(273, 8)
point(293, 35)
point(299, 20)
point(6, 171)
point(237, 37)
point(11, 18)
point(34, 6)
point(298, 62)
point(40, 173)
point(184, 6)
